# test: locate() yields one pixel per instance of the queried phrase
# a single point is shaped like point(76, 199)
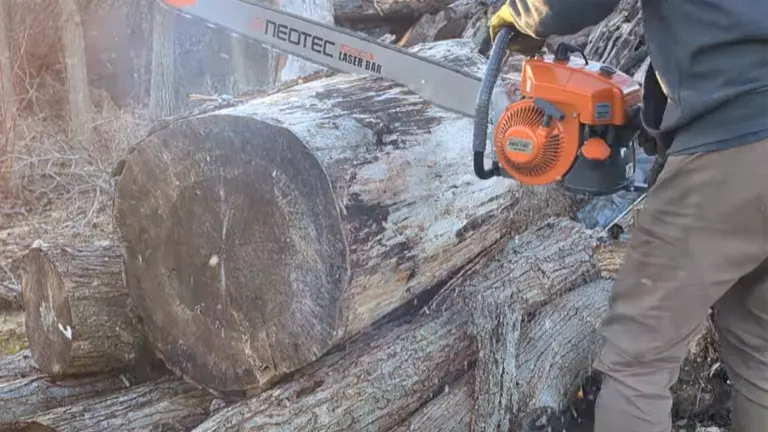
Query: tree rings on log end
point(235, 253)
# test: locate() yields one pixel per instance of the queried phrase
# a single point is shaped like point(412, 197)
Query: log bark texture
point(168, 404)
point(259, 236)
point(17, 366)
point(10, 296)
point(618, 39)
point(451, 411)
point(449, 23)
point(34, 395)
point(519, 334)
point(77, 312)
point(379, 380)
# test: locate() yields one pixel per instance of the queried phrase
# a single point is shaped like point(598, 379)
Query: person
point(701, 242)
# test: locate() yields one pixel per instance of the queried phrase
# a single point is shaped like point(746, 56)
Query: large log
point(168, 405)
point(78, 316)
point(259, 236)
point(379, 380)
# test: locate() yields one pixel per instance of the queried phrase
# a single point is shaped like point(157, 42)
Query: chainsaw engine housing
point(575, 125)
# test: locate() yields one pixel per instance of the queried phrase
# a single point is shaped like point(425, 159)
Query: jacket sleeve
point(544, 18)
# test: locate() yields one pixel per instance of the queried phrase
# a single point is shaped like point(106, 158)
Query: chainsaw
point(574, 126)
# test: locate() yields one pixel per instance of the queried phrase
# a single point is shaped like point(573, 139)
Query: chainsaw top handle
point(482, 109)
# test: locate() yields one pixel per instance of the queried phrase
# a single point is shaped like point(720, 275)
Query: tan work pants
point(702, 240)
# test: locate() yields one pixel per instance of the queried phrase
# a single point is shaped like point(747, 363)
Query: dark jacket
point(710, 58)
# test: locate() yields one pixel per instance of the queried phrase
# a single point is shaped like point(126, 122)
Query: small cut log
point(449, 23)
point(259, 236)
point(77, 311)
point(377, 382)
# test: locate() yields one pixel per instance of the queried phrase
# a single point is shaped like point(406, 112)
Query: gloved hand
point(519, 43)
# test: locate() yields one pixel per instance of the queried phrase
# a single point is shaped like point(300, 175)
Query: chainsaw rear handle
point(482, 109)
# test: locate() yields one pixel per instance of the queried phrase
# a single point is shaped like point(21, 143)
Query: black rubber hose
point(484, 103)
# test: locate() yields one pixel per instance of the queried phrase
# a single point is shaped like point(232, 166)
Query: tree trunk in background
point(253, 65)
point(140, 22)
point(162, 98)
point(317, 10)
point(78, 92)
point(7, 99)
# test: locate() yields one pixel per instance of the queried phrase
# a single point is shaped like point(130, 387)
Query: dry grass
point(61, 188)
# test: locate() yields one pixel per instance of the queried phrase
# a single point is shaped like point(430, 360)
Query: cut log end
point(265, 231)
point(48, 323)
point(77, 314)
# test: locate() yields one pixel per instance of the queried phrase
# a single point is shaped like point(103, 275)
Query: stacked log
point(383, 377)
point(260, 236)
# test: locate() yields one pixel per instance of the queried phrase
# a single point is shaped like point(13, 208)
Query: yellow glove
point(519, 43)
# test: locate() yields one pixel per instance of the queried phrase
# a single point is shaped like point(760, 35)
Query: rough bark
point(162, 93)
point(266, 233)
point(380, 380)
point(508, 309)
point(7, 99)
point(17, 366)
point(618, 39)
point(350, 13)
point(34, 395)
point(80, 107)
point(449, 23)
point(78, 317)
point(168, 404)
point(451, 411)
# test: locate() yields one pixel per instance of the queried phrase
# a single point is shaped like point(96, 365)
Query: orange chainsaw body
point(571, 113)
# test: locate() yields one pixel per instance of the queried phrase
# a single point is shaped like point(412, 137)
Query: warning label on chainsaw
point(519, 145)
